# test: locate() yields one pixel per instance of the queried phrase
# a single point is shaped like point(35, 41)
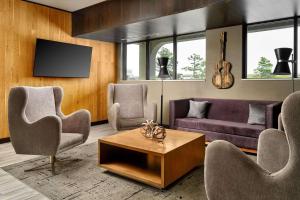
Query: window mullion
point(124, 60)
point(175, 57)
point(295, 47)
point(147, 60)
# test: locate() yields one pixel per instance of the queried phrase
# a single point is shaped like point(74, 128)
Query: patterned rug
point(79, 177)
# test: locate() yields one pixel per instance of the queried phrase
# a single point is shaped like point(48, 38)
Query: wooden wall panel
point(20, 24)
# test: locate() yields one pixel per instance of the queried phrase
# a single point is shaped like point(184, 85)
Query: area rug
point(79, 177)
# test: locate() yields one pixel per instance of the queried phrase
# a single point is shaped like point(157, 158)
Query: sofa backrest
point(229, 109)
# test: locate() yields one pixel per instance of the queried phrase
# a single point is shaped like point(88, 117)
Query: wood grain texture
point(182, 160)
point(134, 140)
point(136, 20)
point(21, 23)
point(158, 164)
point(122, 12)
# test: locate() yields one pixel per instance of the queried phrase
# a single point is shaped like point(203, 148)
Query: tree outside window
point(191, 53)
point(197, 66)
point(264, 68)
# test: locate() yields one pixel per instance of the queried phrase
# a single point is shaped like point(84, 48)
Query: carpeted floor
point(79, 177)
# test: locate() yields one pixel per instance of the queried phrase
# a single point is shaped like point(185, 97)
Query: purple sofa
point(226, 119)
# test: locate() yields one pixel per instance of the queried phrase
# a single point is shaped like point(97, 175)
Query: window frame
point(124, 55)
point(245, 47)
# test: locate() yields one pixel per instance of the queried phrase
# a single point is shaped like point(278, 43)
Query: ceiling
point(68, 5)
point(149, 23)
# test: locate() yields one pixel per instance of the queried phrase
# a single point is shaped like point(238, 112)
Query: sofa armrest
point(177, 109)
point(272, 112)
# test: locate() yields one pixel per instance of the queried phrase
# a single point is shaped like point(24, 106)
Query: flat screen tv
point(57, 59)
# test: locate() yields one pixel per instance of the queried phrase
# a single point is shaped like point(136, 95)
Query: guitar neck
point(223, 45)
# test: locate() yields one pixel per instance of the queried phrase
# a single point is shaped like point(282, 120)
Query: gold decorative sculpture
point(153, 131)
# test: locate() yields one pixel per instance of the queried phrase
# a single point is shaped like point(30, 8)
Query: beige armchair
point(128, 107)
point(231, 175)
point(38, 127)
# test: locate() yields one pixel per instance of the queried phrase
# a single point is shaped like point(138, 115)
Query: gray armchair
point(231, 175)
point(38, 127)
point(128, 107)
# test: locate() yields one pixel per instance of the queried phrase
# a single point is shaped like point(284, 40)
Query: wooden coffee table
point(130, 154)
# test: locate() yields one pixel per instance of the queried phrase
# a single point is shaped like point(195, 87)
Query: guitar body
point(223, 78)
point(217, 77)
point(227, 77)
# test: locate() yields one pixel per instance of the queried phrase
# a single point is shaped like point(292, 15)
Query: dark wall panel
point(119, 20)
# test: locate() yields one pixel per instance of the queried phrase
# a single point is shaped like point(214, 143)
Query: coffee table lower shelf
point(147, 176)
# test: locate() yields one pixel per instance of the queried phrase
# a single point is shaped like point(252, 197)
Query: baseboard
point(99, 122)
point(4, 140)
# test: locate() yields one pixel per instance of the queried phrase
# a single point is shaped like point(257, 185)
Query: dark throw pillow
point(257, 114)
point(197, 109)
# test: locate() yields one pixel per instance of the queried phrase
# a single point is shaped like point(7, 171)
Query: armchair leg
point(52, 161)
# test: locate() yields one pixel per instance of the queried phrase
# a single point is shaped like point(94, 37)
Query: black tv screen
point(57, 59)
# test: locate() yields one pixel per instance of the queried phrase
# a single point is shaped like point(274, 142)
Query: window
point(262, 39)
point(161, 48)
point(136, 61)
point(190, 51)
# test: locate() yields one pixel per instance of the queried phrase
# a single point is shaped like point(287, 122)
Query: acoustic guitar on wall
point(223, 78)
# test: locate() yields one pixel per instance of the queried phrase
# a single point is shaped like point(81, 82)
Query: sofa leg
point(52, 162)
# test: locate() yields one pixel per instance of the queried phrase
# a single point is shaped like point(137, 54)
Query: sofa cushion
point(237, 140)
point(257, 114)
point(197, 109)
point(229, 109)
point(227, 127)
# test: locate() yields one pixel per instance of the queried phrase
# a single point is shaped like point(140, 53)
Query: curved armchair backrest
point(290, 116)
point(254, 181)
point(131, 97)
point(16, 109)
point(40, 103)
